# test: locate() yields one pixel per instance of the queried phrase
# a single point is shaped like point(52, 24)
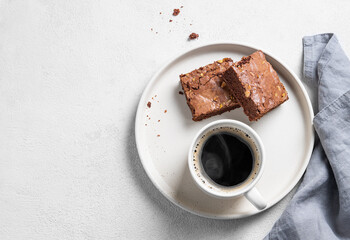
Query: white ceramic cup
point(247, 187)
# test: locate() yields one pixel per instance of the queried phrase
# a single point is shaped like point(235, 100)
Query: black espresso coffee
point(227, 159)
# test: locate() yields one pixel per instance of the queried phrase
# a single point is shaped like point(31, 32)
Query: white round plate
point(164, 133)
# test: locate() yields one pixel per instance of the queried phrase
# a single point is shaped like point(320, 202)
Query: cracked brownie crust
point(256, 85)
point(206, 91)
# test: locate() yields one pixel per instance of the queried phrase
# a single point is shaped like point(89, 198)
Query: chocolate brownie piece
point(256, 86)
point(206, 91)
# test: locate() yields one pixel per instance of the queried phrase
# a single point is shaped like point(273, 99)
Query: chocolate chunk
point(149, 104)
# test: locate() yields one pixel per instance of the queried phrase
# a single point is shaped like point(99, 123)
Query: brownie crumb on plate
point(149, 104)
point(181, 92)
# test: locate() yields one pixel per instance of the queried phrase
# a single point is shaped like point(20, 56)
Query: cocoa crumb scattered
point(176, 12)
point(181, 92)
point(170, 20)
point(155, 95)
point(182, 7)
point(193, 36)
point(165, 111)
point(151, 29)
point(160, 13)
point(145, 124)
point(158, 135)
point(149, 104)
point(158, 120)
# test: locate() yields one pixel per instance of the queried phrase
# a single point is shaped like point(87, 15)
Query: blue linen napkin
point(320, 209)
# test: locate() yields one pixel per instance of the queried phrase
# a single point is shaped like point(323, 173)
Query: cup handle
point(255, 198)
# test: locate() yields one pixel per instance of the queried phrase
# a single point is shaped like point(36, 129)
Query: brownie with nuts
point(255, 85)
point(206, 91)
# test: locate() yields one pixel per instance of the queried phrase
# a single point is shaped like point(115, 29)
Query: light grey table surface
point(71, 75)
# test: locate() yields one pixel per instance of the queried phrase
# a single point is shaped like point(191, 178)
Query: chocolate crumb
point(176, 12)
point(158, 135)
point(160, 13)
point(155, 95)
point(156, 32)
point(182, 7)
point(170, 20)
point(145, 124)
point(193, 36)
point(190, 24)
point(149, 104)
point(151, 29)
point(165, 111)
point(158, 120)
point(181, 92)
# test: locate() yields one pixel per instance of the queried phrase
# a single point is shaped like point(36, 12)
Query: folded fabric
point(320, 209)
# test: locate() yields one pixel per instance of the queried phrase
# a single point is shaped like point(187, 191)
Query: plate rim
point(211, 44)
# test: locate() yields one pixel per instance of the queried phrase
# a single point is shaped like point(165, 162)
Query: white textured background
point(71, 75)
